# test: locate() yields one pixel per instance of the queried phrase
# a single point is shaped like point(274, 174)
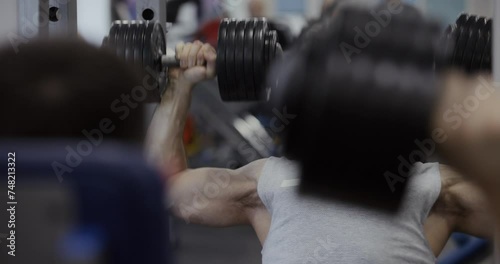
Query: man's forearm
point(165, 147)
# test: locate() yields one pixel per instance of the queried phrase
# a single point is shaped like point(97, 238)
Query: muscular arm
point(209, 196)
point(216, 197)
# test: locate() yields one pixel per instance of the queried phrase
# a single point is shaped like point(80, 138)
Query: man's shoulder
point(272, 165)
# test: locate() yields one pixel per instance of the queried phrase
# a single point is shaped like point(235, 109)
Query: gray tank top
point(307, 230)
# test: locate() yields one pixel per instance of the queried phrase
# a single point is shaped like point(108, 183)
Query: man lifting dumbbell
point(245, 50)
point(295, 229)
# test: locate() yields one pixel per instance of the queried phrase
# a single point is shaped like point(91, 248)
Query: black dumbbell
point(245, 50)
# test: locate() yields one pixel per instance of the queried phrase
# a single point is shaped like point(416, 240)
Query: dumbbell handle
point(170, 60)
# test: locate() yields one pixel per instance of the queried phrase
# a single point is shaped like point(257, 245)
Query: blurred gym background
point(233, 134)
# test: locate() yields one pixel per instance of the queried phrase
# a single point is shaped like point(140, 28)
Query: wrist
point(178, 87)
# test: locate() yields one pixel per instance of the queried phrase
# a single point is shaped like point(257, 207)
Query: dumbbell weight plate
point(221, 60)
point(139, 44)
point(275, 53)
point(478, 46)
point(268, 50)
point(120, 40)
point(158, 47)
point(471, 45)
point(248, 60)
point(230, 60)
point(486, 59)
point(462, 42)
point(274, 45)
point(126, 43)
point(160, 44)
point(478, 51)
point(258, 56)
point(487, 44)
point(267, 47)
point(239, 57)
point(130, 41)
point(154, 48)
point(111, 42)
point(147, 51)
point(117, 36)
point(462, 19)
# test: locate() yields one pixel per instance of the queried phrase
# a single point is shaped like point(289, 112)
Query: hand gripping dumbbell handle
point(170, 59)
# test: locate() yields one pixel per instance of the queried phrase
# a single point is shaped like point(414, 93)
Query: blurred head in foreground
point(68, 89)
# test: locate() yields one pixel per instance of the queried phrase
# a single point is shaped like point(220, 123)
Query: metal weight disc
point(159, 48)
point(273, 50)
point(274, 42)
point(462, 41)
point(478, 46)
point(258, 56)
point(221, 60)
point(139, 43)
point(471, 45)
point(267, 54)
point(241, 90)
point(278, 51)
point(153, 49)
point(117, 36)
point(120, 41)
point(230, 60)
point(267, 47)
point(248, 60)
point(157, 45)
point(147, 52)
point(486, 61)
point(462, 19)
point(478, 50)
point(486, 57)
point(130, 41)
point(112, 35)
point(489, 25)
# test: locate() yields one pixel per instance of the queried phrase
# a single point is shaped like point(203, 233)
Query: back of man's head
point(64, 89)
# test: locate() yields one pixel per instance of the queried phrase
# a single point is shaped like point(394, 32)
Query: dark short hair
point(58, 88)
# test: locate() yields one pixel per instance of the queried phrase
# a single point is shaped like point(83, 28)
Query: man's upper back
point(310, 230)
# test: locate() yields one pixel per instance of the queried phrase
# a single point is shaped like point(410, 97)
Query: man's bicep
point(213, 196)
